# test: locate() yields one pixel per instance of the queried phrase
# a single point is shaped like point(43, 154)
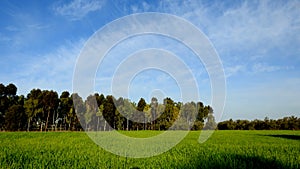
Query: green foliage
point(286, 123)
point(224, 149)
point(15, 118)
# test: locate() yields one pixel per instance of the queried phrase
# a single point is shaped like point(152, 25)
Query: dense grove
point(45, 110)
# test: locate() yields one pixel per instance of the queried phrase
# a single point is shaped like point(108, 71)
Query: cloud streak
point(49, 71)
point(77, 9)
point(264, 67)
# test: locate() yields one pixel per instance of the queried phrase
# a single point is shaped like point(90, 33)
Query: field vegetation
point(224, 149)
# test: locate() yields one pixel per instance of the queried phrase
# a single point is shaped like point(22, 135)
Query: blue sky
point(257, 42)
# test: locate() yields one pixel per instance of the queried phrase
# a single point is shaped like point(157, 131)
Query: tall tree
point(32, 105)
point(154, 106)
point(50, 104)
point(8, 98)
point(15, 117)
point(80, 109)
point(67, 112)
point(211, 123)
point(140, 108)
point(126, 108)
point(109, 112)
point(91, 110)
point(3, 105)
point(99, 115)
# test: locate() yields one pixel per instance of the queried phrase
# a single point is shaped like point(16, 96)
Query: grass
point(224, 149)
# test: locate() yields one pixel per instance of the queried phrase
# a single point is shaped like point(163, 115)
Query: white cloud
point(257, 28)
point(37, 26)
point(77, 9)
point(264, 67)
point(231, 71)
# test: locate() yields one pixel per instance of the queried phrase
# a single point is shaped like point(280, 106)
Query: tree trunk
point(70, 122)
point(47, 120)
point(28, 125)
point(97, 124)
point(41, 126)
point(53, 118)
point(127, 124)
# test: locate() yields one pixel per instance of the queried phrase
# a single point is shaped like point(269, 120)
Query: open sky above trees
point(257, 41)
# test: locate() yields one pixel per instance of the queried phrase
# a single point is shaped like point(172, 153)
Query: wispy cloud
point(37, 26)
point(258, 43)
point(231, 71)
point(264, 67)
point(53, 70)
point(256, 28)
point(77, 9)
point(252, 27)
point(25, 28)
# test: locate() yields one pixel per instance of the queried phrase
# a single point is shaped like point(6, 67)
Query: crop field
point(224, 149)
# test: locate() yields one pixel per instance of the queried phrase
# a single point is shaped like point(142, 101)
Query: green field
point(225, 149)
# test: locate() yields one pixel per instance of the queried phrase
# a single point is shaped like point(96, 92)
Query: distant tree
point(286, 123)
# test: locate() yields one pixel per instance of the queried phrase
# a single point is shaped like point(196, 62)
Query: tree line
point(44, 110)
point(286, 123)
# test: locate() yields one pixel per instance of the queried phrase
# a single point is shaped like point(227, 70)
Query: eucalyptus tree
point(50, 104)
point(33, 106)
point(66, 112)
point(154, 105)
point(80, 109)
